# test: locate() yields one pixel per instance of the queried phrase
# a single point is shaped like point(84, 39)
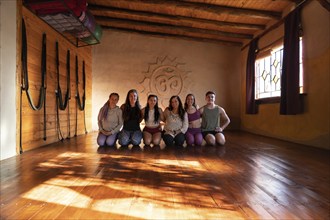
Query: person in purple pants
point(194, 133)
point(110, 121)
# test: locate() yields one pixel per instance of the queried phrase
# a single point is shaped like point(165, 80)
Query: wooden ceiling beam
point(174, 36)
point(242, 2)
point(302, 3)
point(172, 20)
point(167, 29)
point(186, 8)
point(325, 4)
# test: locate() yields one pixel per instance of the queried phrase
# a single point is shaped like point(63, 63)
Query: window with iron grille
point(268, 73)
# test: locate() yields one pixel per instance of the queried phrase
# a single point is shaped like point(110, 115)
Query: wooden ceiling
point(232, 22)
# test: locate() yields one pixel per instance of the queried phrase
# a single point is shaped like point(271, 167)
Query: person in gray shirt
point(212, 114)
point(110, 121)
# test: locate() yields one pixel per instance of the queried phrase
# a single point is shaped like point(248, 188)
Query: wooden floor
point(251, 177)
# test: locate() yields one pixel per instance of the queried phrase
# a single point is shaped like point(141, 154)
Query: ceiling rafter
point(148, 26)
point(225, 21)
point(144, 16)
point(167, 7)
point(174, 36)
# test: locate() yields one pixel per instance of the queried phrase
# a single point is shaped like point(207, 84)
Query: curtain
point(251, 106)
point(290, 102)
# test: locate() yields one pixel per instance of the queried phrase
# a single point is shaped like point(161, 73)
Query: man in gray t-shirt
point(211, 115)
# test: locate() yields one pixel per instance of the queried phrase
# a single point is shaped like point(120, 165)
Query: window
point(268, 73)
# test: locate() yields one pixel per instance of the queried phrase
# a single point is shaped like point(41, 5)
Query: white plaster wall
point(125, 60)
point(7, 78)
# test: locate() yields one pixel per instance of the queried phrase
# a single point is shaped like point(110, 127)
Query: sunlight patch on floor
point(107, 189)
point(58, 195)
point(70, 181)
point(185, 164)
point(148, 209)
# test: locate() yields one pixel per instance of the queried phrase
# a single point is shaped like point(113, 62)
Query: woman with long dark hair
point(131, 132)
point(152, 116)
point(176, 123)
point(194, 133)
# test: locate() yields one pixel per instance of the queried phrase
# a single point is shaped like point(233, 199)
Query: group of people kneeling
point(182, 122)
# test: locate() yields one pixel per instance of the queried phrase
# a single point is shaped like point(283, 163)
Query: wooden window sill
point(272, 100)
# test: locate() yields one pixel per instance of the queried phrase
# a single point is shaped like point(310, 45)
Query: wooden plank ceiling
point(231, 22)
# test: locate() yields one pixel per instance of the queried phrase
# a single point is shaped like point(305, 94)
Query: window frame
point(267, 52)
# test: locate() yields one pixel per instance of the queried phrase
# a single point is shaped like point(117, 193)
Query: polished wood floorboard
point(251, 177)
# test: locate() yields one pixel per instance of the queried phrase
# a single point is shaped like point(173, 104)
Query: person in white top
point(176, 123)
point(152, 115)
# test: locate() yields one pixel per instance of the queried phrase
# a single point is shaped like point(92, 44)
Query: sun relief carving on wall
point(165, 78)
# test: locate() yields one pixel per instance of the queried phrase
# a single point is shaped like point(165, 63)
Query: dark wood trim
point(239, 18)
point(273, 100)
point(277, 24)
point(270, 100)
point(193, 7)
point(168, 19)
point(174, 36)
point(325, 4)
point(271, 45)
point(163, 28)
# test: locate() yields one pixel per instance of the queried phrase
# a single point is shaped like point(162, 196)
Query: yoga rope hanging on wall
point(80, 104)
point(25, 81)
point(62, 105)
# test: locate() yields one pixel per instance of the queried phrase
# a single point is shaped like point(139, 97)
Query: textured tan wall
point(165, 67)
point(313, 126)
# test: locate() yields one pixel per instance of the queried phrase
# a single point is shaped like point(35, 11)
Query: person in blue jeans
point(110, 121)
point(132, 116)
